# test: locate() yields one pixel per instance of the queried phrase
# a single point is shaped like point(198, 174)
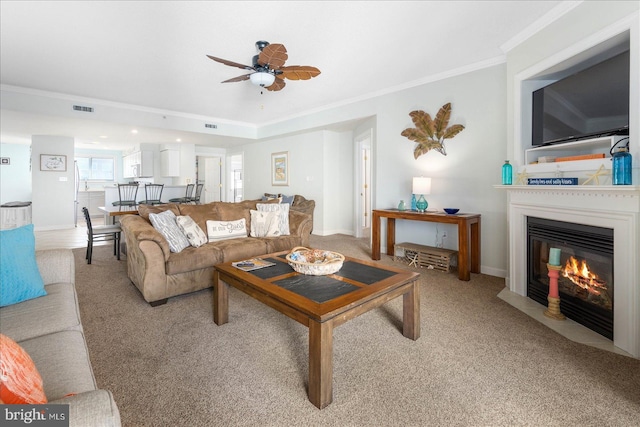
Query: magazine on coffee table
point(252, 264)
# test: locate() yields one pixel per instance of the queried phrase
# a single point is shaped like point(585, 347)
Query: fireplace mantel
point(616, 207)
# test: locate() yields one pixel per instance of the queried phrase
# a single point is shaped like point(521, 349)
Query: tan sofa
point(50, 330)
point(160, 274)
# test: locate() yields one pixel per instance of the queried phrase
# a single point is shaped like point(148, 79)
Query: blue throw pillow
point(21, 278)
point(287, 199)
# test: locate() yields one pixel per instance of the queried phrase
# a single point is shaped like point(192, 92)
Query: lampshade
point(421, 185)
point(262, 78)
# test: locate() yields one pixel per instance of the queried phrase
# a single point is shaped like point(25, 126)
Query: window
point(96, 168)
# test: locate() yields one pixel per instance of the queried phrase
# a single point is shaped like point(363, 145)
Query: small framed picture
point(53, 162)
point(280, 168)
point(5, 161)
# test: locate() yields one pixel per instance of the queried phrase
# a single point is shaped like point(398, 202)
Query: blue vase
point(422, 204)
point(622, 167)
point(507, 173)
point(413, 203)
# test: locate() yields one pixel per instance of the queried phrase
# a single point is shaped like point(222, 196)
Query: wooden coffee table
point(321, 303)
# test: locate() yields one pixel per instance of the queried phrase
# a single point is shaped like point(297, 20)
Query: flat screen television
point(591, 103)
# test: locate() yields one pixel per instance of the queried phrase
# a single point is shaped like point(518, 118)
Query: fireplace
point(586, 277)
point(615, 207)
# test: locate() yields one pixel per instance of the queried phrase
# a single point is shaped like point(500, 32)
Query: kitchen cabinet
point(138, 164)
point(127, 166)
point(170, 163)
point(91, 200)
point(83, 201)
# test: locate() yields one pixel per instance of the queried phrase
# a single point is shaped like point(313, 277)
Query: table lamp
point(421, 186)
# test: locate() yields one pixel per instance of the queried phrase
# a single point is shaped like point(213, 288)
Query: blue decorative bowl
point(451, 211)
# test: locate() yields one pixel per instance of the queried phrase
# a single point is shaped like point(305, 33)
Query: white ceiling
point(152, 55)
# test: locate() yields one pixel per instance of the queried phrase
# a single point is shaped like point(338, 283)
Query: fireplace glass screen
point(585, 284)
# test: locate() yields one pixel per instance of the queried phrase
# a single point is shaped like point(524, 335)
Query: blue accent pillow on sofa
point(287, 199)
point(21, 278)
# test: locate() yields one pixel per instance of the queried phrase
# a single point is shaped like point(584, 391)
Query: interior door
point(211, 168)
point(363, 185)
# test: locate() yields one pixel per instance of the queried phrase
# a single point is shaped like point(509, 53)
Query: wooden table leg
point(391, 235)
point(220, 300)
point(475, 247)
point(321, 363)
point(463, 251)
point(375, 237)
point(411, 312)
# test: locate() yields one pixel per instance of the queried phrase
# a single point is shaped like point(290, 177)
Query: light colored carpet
point(478, 362)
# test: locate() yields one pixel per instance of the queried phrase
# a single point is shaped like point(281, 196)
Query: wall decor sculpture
point(430, 133)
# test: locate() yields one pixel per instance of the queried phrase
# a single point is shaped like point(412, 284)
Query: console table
point(468, 235)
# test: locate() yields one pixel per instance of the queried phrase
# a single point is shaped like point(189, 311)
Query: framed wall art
point(53, 162)
point(280, 168)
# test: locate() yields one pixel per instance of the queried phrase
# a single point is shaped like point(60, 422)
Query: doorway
point(209, 173)
point(363, 184)
point(235, 178)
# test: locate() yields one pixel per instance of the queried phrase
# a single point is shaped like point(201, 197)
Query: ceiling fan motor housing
point(261, 44)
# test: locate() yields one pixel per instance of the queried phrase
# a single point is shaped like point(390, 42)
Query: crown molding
point(547, 19)
point(119, 105)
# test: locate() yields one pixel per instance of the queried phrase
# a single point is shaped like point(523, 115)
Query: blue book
point(552, 181)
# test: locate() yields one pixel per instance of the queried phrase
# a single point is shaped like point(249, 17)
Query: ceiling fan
point(268, 70)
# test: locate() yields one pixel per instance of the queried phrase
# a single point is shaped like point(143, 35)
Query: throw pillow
point(288, 199)
point(268, 197)
point(265, 224)
point(20, 382)
point(21, 279)
point(165, 223)
point(222, 230)
point(283, 219)
point(191, 230)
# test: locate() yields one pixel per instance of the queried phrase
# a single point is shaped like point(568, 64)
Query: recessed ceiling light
point(178, 140)
point(134, 131)
point(104, 136)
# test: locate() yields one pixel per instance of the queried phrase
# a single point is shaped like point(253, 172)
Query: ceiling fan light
point(262, 78)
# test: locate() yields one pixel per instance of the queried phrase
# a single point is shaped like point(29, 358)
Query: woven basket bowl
point(326, 262)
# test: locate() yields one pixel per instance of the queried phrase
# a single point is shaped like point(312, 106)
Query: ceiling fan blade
point(274, 55)
point(277, 85)
point(238, 79)
point(231, 63)
point(298, 72)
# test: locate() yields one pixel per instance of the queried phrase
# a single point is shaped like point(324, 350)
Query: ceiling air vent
point(83, 108)
point(210, 126)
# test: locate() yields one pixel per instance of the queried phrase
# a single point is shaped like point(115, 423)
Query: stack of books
point(546, 159)
point(580, 157)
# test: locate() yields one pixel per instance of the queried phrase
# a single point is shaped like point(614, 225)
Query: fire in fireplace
point(586, 280)
point(585, 284)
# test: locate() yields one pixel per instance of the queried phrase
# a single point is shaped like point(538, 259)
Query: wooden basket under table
point(326, 262)
point(424, 256)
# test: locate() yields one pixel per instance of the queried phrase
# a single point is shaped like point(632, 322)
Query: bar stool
point(152, 194)
point(187, 197)
point(127, 194)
